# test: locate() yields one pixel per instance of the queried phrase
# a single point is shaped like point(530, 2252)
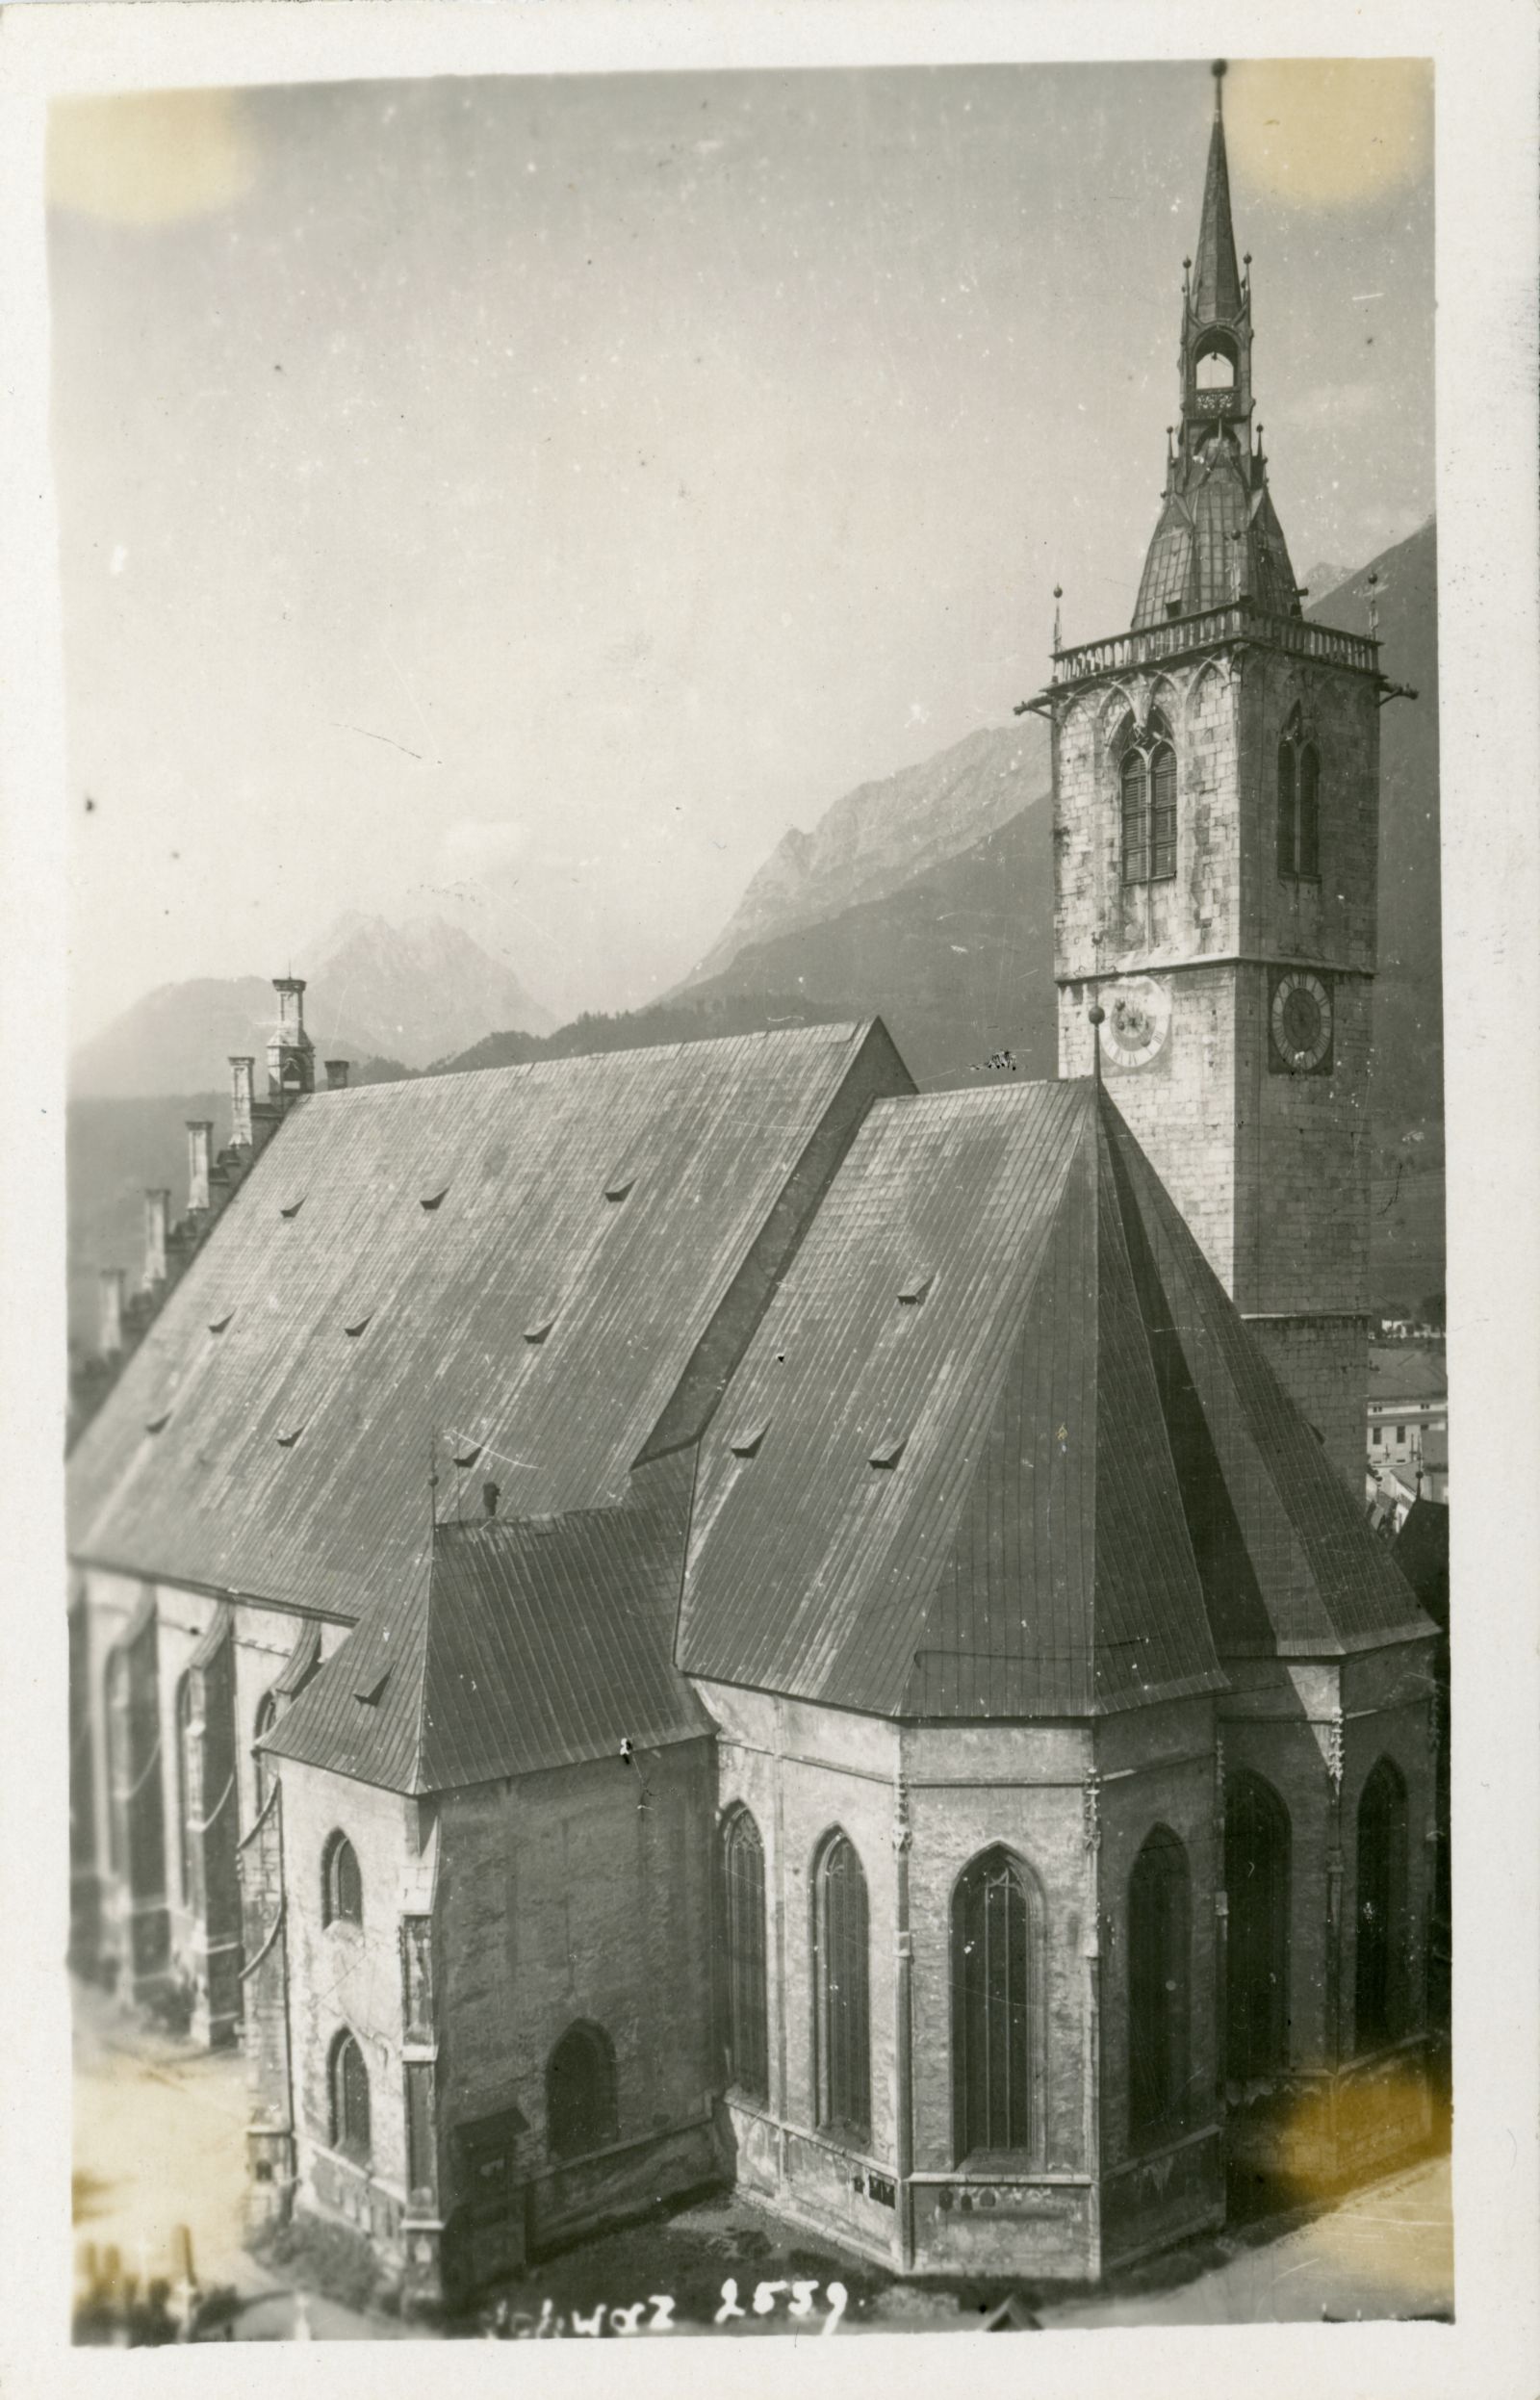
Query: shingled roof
point(537, 1262)
point(961, 1501)
point(522, 1647)
point(1057, 1480)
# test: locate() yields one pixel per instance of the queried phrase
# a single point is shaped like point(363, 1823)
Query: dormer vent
point(912, 1292)
point(539, 1327)
point(287, 1441)
point(745, 1443)
point(371, 1693)
point(888, 1452)
point(433, 1201)
point(620, 1185)
point(354, 1329)
point(217, 1325)
point(294, 1208)
point(157, 1424)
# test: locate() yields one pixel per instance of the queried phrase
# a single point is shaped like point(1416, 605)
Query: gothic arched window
point(581, 2115)
point(185, 1782)
point(349, 2099)
point(1257, 1844)
point(1380, 1985)
point(118, 1696)
point(1299, 806)
point(997, 1968)
point(1147, 788)
point(1288, 808)
point(743, 1916)
point(1216, 371)
point(265, 1719)
point(1159, 1951)
point(1309, 853)
point(342, 1901)
point(842, 2024)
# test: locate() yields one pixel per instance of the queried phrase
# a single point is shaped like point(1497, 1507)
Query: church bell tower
point(1216, 835)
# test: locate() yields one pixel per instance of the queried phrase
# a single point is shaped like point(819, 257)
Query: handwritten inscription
point(656, 2313)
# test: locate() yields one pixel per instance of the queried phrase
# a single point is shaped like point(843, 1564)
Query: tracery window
point(996, 2007)
point(1257, 1845)
point(349, 2099)
point(1149, 789)
point(265, 1719)
point(1298, 806)
point(744, 1921)
point(1159, 1953)
point(342, 1885)
point(580, 2112)
point(842, 2014)
point(1380, 2012)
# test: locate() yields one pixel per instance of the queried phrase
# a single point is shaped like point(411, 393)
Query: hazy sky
point(522, 498)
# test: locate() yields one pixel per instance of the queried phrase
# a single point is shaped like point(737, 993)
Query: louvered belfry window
point(1381, 1979)
point(1257, 1846)
point(1299, 809)
point(1159, 1944)
point(349, 2099)
point(842, 1993)
point(1309, 812)
point(1148, 784)
point(993, 1975)
point(743, 1913)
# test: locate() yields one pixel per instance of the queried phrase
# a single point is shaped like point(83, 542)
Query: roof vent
point(157, 1424)
point(619, 1185)
point(433, 1201)
point(469, 1458)
point(287, 1441)
point(537, 1329)
point(746, 1444)
point(888, 1450)
point(352, 1332)
point(918, 1285)
point(371, 1693)
point(217, 1325)
point(294, 1208)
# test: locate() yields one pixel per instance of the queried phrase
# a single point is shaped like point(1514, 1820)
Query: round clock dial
point(1137, 1017)
point(1301, 1021)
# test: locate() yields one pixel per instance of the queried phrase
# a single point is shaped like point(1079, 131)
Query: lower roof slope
point(525, 1260)
point(940, 1484)
point(522, 1647)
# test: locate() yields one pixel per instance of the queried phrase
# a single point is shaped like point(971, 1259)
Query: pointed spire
point(1216, 284)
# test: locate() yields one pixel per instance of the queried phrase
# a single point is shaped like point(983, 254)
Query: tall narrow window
point(265, 1719)
point(1135, 835)
point(996, 2007)
point(186, 1784)
point(342, 1885)
point(842, 1989)
point(1310, 812)
point(1287, 809)
point(349, 2099)
point(1159, 1948)
point(1256, 1882)
point(1381, 1980)
point(1162, 813)
point(581, 2115)
point(743, 1915)
point(119, 1700)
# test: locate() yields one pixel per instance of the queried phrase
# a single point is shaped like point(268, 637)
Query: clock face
point(1137, 1018)
point(1301, 1022)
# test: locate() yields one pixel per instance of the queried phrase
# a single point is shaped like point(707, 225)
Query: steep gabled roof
point(962, 1503)
point(1287, 1561)
point(1216, 286)
point(454, 1255)
point(524, 1647)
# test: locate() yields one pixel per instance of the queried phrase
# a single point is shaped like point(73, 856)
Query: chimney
point(199, 1160)
point(291, 1052)
point(337, 1075)
point(111, 1318)
point(157, 1223)
point(489, 1496)
point(242, 1074)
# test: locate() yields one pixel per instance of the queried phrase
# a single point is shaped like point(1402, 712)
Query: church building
point(700, 1614)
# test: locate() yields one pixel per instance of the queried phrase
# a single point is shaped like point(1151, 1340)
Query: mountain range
point(402, 993)
point(927, 898)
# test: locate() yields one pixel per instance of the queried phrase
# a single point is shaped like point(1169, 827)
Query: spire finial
point(1373, 603)
point(1096, 1017)
point(1058, 633)
point(1221, 67)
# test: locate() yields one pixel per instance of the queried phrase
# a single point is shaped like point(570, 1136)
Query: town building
point(1407, 1423)
point(700, 1614)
